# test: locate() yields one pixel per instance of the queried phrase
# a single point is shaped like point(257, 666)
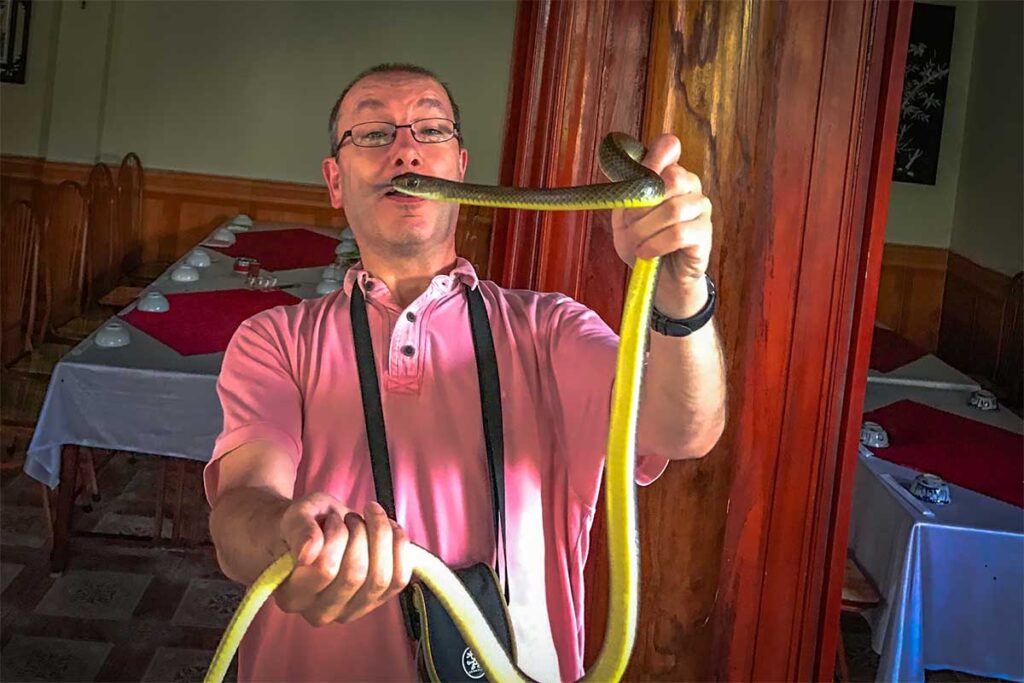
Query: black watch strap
point(682, 327)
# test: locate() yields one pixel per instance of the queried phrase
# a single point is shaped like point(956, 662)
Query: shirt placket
point(405, 353)
point(406, 347)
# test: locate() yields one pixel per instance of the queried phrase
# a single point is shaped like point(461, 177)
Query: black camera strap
point(490, 395)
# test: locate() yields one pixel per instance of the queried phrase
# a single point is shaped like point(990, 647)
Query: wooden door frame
point(894, 25)
point(790, 561)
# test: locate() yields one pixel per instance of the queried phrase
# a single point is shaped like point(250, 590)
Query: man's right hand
point(346, 565)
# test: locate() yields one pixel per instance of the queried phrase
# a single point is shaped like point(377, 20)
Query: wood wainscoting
point(964, 313)
point(980, 333)
point(910, 293)
point(180, 208)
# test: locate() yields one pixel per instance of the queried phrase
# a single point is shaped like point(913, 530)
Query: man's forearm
point(245, 526)
point(682, 409)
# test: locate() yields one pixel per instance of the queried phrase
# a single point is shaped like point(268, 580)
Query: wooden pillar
point(778, 108)
point(578, 73)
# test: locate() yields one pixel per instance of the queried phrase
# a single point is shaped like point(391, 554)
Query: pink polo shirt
point(289, 376)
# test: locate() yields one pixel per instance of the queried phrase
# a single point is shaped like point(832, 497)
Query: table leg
point(161, 492)
point(176, 532)
point(65, 507)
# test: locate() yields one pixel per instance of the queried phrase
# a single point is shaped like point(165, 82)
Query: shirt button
point(410, 316)
point(408, 350)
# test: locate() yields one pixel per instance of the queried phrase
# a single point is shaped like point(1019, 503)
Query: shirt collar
point(462, 273)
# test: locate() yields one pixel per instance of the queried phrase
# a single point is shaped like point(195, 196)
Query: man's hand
point(678, 230)
point(346, 565)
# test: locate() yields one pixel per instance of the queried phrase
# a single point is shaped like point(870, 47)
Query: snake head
point(407, 183)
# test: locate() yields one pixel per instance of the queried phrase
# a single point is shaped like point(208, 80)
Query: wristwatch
point(682, 327)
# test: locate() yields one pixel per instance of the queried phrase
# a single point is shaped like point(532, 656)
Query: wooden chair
point(64, 239)
point(101, 272)
point(859, 596)
point(62, 259)
point(19, 284)
point(21, 397)
point(130, 181)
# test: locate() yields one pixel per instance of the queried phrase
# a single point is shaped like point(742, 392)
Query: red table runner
point(971, 454)
point(284, 249)
point(203, 322)
point(890, 351)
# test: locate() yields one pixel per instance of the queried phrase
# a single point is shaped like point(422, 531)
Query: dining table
point(157, 395)
point(950, 575)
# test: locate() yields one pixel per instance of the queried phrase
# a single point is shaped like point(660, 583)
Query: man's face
point(359, 178)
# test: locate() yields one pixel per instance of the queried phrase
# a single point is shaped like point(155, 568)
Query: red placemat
point(284, 249)
point(890, 351)
point(971, 454)
point(203, 322)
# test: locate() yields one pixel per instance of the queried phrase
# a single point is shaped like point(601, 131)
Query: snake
point(632, 185)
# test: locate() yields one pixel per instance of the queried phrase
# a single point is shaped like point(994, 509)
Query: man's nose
point(405, 149)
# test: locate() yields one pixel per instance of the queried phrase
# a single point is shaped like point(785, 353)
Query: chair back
point(129, 212)
point(63, 249)
point(19, 288)
point(101, 270)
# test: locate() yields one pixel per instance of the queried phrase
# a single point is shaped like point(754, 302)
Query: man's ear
point(463, 163)
point(332, 176)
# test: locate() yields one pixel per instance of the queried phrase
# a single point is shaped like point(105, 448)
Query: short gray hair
point(386, 68)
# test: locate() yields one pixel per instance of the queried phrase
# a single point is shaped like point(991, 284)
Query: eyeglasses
point(382, 133)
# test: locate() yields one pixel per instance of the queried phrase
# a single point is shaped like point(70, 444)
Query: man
point(291, 472)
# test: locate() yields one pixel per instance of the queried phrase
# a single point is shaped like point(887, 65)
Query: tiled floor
point(140, 613)
point(863, 662)
point(121, 612)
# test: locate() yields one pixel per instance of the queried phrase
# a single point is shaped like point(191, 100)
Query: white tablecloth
point(951, 577)
point(144, 397)
point(928, 368)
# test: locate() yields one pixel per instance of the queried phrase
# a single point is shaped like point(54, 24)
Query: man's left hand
point(678, 230)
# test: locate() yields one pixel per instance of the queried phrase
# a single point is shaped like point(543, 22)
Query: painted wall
point(988, 226)
point(923, 214)
point(243, 88)
point(25, 108)
point(80, 77)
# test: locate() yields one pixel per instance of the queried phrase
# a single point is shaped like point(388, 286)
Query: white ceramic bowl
point(198, 258)
point(333, 272)
point(113, 335)
point(983, 400)
point(154, 302)
point(327, 286)
point(873, 435)
point(347, 234)
point(242, 220)
point(185, 273)
point(224, 235)
point(346, 247)
point(930, 488)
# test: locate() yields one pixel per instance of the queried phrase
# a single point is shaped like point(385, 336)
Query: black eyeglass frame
point(456, 133)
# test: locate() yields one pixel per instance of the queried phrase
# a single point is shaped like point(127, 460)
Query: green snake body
point(633, 185)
